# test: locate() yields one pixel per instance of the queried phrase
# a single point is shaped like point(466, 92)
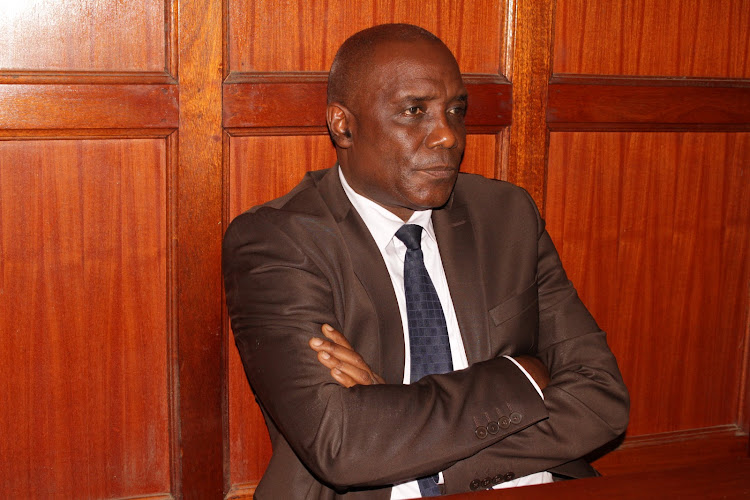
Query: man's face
point(408, 133)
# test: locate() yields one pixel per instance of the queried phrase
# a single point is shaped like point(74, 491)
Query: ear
point(340, 121)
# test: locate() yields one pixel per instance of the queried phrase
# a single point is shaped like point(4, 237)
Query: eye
point(458, 111)
point(413, 110)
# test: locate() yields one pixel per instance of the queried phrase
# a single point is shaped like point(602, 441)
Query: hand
point(535, 368)
point(346, 365)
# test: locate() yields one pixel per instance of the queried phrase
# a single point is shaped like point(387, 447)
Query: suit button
point(487, 482)
point(481, 432)
point(510, 476)
point(516, 418)
point(475, 484)
point(498, 479)
point(493, 427)
point(504, 422)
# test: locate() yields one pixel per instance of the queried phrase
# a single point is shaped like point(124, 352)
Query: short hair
point(356, 53)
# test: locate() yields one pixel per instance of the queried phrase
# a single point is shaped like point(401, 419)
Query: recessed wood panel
point(83, 300)
point(654, 230)
point(75, 35)
point(304, 36)
point(697, 38)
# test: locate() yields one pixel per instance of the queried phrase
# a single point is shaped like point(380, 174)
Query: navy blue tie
point(429, 347)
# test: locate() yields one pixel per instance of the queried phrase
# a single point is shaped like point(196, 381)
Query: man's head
point(396, 106)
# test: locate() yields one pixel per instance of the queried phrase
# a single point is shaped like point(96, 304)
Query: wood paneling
point(526, 139)
point(670, 450)
point(75, 35)
point(84, 393)
point(304, 36)
point(197, 238)
point(88, 106)
point(694, 38)
point(646, 104)
point(653, 229)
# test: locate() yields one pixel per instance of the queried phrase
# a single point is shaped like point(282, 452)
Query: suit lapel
point(370, 269)
point(460, 256)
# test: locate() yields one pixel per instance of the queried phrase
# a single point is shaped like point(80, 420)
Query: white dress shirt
point(383, 225)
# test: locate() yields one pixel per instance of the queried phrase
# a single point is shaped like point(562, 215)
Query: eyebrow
point(463, 97)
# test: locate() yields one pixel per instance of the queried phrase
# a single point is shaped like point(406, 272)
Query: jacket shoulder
point(491, 196)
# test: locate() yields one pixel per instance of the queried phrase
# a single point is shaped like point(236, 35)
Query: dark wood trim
point(282, 100)
point(668, 450)
point(531, 69)
point(87, 77)
point(172, 361)
point(83, 106)
point(92, 133)
point(198, 237)
point(582, 102)
point(743, 417)
point(171, 40)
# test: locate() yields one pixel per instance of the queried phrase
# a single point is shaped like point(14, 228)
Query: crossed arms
point(281, 288)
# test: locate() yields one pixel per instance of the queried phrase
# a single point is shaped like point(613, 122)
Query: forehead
point(404, 67)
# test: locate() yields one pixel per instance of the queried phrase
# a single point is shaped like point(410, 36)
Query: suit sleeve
point(587, 401)
point(278, 294)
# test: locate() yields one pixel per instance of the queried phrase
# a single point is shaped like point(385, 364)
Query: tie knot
point(411, 235)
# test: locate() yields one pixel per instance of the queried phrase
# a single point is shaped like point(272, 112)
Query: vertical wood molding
point(199, 236)
point(531, 69)
point(743, 419)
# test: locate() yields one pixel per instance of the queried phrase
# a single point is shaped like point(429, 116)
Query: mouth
point(440, 172)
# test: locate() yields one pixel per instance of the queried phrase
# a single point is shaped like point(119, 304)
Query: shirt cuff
point(527, 376)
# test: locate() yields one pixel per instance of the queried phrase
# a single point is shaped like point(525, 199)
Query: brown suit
point(307, 258)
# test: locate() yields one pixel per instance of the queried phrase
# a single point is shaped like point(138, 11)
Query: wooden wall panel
point(262, 168)
point(694, 38)
point(75, 35)
point(654, 230)
point(304, 36)
point(83, 319)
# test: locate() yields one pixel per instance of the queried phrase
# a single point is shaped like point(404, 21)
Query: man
point(534, 385)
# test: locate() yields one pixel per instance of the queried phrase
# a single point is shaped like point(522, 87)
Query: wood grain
point(654, 230)
point(299, 100)
point(671, 450)
point(84, 35)
point(83, 319)
point(530, 72)
point(694, 38)
point(197, 234)
point(304, 36)
point(84, 106)
point(642, 104)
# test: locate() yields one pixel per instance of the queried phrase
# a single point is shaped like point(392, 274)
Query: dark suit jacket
point(307, 258)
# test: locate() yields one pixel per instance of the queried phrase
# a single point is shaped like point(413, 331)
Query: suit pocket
point(514, 324)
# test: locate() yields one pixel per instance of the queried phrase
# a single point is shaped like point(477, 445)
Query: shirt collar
point(381, 222)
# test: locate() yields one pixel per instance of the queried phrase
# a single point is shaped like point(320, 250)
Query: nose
point(442, 134)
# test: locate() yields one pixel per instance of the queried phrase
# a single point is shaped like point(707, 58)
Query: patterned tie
point(429, 348)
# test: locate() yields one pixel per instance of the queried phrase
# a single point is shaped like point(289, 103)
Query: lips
point(442, 172)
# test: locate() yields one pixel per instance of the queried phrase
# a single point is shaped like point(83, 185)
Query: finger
point(344, 354)
point(342, 378)
point(357, 375)
point(336, 336)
